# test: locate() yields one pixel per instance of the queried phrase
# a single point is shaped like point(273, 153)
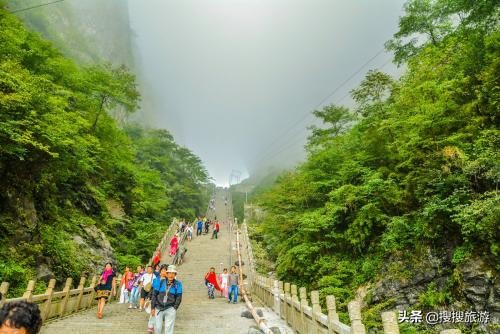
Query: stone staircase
point(197, 314)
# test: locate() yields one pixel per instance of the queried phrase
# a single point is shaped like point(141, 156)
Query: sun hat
point(171, 269)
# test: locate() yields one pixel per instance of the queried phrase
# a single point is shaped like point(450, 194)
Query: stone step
point(197, 313)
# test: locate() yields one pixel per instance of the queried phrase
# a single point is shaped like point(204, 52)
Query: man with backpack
point(166, 297)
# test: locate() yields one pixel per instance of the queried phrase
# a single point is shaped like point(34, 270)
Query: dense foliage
point(414, 166)
point(70, 178)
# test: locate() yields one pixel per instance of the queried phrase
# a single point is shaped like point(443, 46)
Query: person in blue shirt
point(199, 227)
point(157, 270)
point(166, 298)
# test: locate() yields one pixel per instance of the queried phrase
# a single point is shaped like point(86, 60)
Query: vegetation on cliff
point(77, 189)
point(408, 176)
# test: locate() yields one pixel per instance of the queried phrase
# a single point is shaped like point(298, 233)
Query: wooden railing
point(261, 323)
point(57, 304)
point(305, 315)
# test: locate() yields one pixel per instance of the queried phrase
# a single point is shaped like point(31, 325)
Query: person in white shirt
point(224, 279)
point(190, 231)
point(146, 282)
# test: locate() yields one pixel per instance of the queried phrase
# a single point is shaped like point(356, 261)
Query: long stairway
point(197, 314)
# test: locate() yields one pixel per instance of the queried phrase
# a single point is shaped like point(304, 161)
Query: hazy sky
point(235, 80)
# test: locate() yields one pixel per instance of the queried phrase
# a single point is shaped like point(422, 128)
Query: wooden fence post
point(281, 293)
point(48, 302)
point(4, 287)
point(276, 292)
point(354, 310)
point(64, 302)
point(259, 287)
point(293, 313)
point(28, 294)
point(333, 316)
point(390, 322)
point(316, 308)
point(92, 293)
point(303, 303)
point(287, 296)
point(81, 286)
point(117, 288)
point(269, 294)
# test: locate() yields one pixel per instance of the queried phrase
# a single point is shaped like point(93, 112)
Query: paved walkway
point(197, 314)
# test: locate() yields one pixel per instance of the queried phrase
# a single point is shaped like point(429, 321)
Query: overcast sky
point(236, 80)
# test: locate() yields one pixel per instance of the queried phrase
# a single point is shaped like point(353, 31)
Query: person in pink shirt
point(174, 245)
point(223, 279)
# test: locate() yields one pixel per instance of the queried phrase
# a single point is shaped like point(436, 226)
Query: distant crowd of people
point(203, 226)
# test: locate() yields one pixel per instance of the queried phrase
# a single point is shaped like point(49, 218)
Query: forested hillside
point(76, 188)
point(398, 202)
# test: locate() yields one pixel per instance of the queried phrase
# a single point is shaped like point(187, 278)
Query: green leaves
point(479, 221)
point(417, 171)
point(428, 22)
point(337, 119)
point(66, 152)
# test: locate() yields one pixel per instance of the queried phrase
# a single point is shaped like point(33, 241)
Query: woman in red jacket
point(174, 245)
point(212, 283)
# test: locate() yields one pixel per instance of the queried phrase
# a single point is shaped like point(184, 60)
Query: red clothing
point(126, 277)
point(156, 259)
point(217, 227)
point(212, 278)
point(174, 244)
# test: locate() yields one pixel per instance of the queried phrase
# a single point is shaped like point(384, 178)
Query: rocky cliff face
point(88, 31)
point(481, 287)
point(474, 285)
point(92, 242)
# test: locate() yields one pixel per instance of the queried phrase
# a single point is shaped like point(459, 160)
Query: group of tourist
point(156, 286)
point(153, 288)
point(226, 283)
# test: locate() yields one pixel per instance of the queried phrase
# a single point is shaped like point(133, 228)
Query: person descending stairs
point(197, 313)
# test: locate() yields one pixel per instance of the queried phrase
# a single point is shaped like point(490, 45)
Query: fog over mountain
point(236, 80)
